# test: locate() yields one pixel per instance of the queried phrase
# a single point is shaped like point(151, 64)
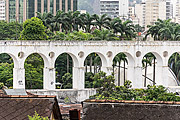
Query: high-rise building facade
point(2, 9)
point(21, 10)
point(157, 9)
point(114, 8)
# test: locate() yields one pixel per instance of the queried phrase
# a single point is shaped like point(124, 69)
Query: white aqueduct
point(79, 50)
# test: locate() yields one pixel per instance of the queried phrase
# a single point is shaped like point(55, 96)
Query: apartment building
point(114, 8)
point(140, 13)
point(157, 9)
point(21, 10)
point(2, 9)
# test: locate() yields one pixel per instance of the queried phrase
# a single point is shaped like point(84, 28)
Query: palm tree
point(128, 29)
point(147, 60)
point(174, 64)
point(116, 26)
point(88, 21)
point(102, 21)
point(118, 59)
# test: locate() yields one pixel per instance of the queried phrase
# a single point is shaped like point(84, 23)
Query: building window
point(57, 5)
point(39, 6)
point(21, 11)
point(30, 9)
point(45, 6)
point(12, 10)
point(52, 6)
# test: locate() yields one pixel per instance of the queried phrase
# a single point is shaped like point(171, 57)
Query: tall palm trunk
point(119, 74)
point(86, 66)
point(124, 72)
point(91, 64)
point(113, 69)
point(67, 63)
point(154, 70)
point(145, 74)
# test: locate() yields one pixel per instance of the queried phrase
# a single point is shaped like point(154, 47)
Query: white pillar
point(78, 77)
point(107, 70)
point(49, 78)
point(138, 79)
point(18, 78)
point(131, 75)
point(165, 76)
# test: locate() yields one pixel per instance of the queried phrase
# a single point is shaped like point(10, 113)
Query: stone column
point(49, 78)
point(54, 8)
point(48, 6)
point(130, 75)
point(164, 76)
point(78, 77)
point(18, 78)
point(24, 10)
point(60, 4)
point(17, 10)
point(42, 6)
point(35, 7)
point(107, 70)
point(7, 10)
point(138, 79)
point(66, 5)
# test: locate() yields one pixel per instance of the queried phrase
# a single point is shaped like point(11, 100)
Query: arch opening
point(34, 65)
point(64, 69)
point(93, 64)
point(6, 70)
point(120, 68)
point(150, 61)
point(174, 69)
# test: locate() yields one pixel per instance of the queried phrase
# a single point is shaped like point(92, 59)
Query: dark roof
point(18, 107)
point(131, 101)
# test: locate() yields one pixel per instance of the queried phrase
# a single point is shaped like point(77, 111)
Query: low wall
point(131, 110)
point(75, 96)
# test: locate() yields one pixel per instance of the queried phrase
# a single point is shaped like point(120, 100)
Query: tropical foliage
point(108, 90)
point(164, 30)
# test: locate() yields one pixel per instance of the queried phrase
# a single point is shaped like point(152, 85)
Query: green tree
point(66, 81)
point(102, 21)
point(34, 72)
point(9, 31)
point(33, 29)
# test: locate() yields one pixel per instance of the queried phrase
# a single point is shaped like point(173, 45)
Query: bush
point(108, 90)
point(37, 117)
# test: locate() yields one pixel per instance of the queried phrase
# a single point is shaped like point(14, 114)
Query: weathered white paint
point(79, 50)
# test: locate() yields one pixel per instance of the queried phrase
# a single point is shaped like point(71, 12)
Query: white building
point(140, 11)
point(114, 8)
point(2, 9)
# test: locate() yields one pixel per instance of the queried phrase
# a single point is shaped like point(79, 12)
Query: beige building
point(157, 9)
point(140, 12)
point(21, 10)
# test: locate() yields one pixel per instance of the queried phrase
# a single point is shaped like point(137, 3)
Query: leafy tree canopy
point(33, 29)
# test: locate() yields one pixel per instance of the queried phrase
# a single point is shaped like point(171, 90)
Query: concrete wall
point(130, 111)
point(75, 96)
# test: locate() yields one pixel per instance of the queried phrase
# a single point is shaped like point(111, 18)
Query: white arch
point(74, 58)
point(102, 56)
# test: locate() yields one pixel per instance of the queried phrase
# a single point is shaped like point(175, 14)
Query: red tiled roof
point(65, 108)
point(132, 101)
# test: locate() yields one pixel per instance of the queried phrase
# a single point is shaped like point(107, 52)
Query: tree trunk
point(67, 63)
point(124, 72)
point(90, 63)
point(145, 74)
point(154, 70)
point(119, 74)
point(86, 65)
point(113, 69)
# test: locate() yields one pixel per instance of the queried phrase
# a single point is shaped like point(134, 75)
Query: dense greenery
point(108, 90)
point(33, 29)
